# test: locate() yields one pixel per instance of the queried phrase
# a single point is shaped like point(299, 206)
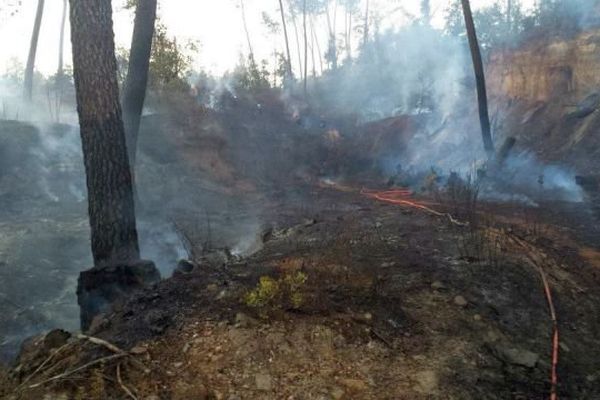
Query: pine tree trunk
point(305, 49)
point(118, 270)
point(509, 7)
point(29, 69)
point(287, 41)
point(349, 43)
point(366, 26)
point(252, 60)
point(134, 93)
point(110, 189)
point(61, 46)
point(484, 118)
point(331, 42)
point(297, 36)
point(426, 12)
point(316, 38)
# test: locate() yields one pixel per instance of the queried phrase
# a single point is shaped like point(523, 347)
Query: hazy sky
point(216, 24)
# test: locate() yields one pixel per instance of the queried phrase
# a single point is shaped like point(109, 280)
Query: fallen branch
point(78, 369)
point(120, 381)
point(101, 342)
point(43, 364)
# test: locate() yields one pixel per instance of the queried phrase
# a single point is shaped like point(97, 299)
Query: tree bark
point(509, 7)
point(305, 48)
point(426, 12)
point(316, 38)
point(252, 60)
point(29, 69)
point(61, 46)
point(134, 93)
point(117, 269)
point(349, 44)
point(484, 117)
point(297, 36)
point(110, 188)
point(287, 41)
point(331, 43)
point(366, 27)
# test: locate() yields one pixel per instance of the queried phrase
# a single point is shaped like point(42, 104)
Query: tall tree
point(304, 11)
point(134, 92)
point(316, 40)
point(484, 117)
point(297, 36)
point(110, 189)
point(287, 41)
point(117, 266)
point(292, 8)
point(509, 10)
point(29, 69)
point(426, 12)
point(250, 48)
point(331, 55)
point(366, 25)
point(61, 45)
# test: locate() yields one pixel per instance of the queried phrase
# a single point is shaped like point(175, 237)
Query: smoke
point(413, 70)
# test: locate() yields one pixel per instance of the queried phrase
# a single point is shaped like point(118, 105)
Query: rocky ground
point(364, 300)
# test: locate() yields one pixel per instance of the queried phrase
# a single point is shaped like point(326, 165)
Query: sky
point(215, 24)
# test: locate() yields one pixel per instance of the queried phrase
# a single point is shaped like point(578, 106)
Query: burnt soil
point(392, 308)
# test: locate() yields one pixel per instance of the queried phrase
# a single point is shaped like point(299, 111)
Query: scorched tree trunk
point(484, 116)
point(134, 93)
point(110, 189)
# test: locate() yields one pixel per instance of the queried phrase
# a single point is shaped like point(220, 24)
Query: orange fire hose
point(402, 197)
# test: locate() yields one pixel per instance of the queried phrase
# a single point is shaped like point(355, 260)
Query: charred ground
point(354, 298)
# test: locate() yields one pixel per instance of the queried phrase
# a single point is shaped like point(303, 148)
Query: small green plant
point(294, 285)
point(264, 294)
point(286, 292)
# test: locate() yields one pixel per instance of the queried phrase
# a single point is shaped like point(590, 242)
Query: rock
point(185, 391)
point(158, 321)
point(427, 382)
point(244, 321)
point(339, 341)
point(212, 288)
point(184, 267)
point(355, 385)
point(186, 347)
point(438, 285)
point(263, 382)
point(461, 301)
point(139, 350)
point(515, 356)
point(337, 393)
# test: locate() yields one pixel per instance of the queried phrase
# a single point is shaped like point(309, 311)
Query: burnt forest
point(300, 199)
